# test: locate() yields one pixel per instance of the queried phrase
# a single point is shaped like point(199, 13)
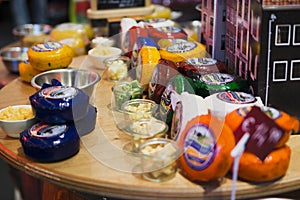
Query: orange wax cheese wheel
point(275, 165)
point(207, 143)
point(285, 121)
point(50, 55)
point(27, 72)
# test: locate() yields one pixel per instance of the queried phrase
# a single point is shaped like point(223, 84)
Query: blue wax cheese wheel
point(49, 143)
point(88, 123)
point(59, 104)
point(225, 102)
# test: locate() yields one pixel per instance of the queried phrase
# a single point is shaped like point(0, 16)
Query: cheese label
point(236, 97)
point(269, 111)
point(216, 78)
point(59, 92)
point(181, 47)
point(199, 148)
point(200, 62)
point(46, 46)
point(177, 121)
point(264, 132)
point(43, 130)
point(169, 29)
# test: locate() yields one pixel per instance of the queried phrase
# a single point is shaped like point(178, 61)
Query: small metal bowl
point(11, 58)
point(30, 33)
point(80, 78)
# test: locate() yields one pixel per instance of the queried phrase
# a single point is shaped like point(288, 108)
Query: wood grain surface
point(102, 168)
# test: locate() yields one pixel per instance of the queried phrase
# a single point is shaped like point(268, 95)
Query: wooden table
point(102, 168)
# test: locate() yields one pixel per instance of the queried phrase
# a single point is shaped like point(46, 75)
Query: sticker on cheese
point(236, 97)
point(206, 142)
point(44, 142)
point(215, 82)
point(181, 51)
point(59, 104)
point(222, 103)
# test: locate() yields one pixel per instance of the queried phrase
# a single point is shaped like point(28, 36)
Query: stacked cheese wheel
point(65, 114)
point(275, 165)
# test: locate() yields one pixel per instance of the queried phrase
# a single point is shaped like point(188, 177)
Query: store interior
point(58, 13)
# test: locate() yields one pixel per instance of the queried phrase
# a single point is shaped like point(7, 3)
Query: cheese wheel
point(275, 165)
point(181, 51)
point(59, 104)
point(50, 55)
point(49, 143)
point(207, 143)
point(288, 123)
point(26, 71)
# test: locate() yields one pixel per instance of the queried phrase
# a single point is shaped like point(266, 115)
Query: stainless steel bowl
point(31, 29)
point(11, 58)
point(80, 78)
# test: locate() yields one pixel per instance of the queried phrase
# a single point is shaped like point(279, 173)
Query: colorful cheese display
point(206, 142)
point(49, 143)
point(59, 104)
point(50, 55)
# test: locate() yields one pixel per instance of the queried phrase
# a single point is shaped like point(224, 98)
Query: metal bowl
point(31, 29)
point(80, 78)
point(29, 34)
point(11, 58)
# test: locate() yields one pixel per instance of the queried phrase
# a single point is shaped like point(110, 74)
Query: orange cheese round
point(207, 143)
point(275, 165)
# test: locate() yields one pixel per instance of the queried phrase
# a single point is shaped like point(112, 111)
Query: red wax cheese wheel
point(207, 143)
point(275, 165)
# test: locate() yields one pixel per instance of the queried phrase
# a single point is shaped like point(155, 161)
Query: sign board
point(101, 9)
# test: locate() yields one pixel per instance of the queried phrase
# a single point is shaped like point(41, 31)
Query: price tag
point(265, 133)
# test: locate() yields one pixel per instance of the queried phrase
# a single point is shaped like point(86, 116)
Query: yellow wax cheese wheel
point(147, 59)
point(50, 55)
point(181, 51)
point(27, 72)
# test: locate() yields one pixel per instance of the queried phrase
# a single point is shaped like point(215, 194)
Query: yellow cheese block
point(50, 55)
point(148, 58)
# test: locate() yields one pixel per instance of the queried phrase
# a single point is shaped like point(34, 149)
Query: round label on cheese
point(44, 130)
point(59, 92)
point(169, 29)
point(181, 47)
point(236, 97)
point(199, 147)
point(201, 61)
point(47, 46)
point(216, 78)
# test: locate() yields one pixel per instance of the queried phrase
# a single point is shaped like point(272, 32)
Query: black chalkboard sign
point(116, 4)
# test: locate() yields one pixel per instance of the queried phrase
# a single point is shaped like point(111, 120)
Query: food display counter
point(102, 168)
